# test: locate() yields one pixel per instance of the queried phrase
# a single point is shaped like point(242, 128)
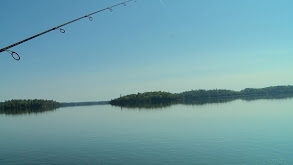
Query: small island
point(28, 106)
point(147, 99)
point(199, 97)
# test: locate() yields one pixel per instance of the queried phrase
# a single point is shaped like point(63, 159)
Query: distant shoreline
point(89, 103)
point(201, 96)
point(154, 99)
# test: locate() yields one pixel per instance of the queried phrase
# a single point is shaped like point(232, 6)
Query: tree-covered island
point(202, 96)
point(28, 106)
point(145, 99)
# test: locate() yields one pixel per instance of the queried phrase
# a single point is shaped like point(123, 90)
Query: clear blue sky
point(145, 46)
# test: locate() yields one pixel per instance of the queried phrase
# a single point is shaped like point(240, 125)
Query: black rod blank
point(17, 57)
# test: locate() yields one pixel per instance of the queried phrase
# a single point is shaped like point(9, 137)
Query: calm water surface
point(239, 132)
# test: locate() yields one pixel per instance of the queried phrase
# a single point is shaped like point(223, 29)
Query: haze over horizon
point(144, 46)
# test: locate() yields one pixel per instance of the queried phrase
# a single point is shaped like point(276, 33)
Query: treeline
point(23, 106)
point(146, 98)
point(276, 90)
point(203, 96)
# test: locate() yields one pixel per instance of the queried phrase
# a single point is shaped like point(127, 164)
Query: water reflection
point(26, 111)
point(148, 106)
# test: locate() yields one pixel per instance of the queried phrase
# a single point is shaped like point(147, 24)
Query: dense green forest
point(27, 106)
point(203, 96)
point(146, 98)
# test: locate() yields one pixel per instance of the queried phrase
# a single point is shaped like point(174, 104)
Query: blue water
point(238, 132)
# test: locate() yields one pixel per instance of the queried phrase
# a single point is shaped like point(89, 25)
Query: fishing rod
point(16, 55)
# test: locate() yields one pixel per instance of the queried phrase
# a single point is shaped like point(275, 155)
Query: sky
point(144, 46)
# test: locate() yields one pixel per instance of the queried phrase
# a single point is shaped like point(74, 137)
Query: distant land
point(28, 106)
point(156, 99)
point(37, 106)
point(72, 104)
point(159, 99)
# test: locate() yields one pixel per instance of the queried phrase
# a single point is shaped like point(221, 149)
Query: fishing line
point(89, 16)
point(163, 3)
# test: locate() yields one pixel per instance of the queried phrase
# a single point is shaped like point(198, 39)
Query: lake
point(237, 132)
